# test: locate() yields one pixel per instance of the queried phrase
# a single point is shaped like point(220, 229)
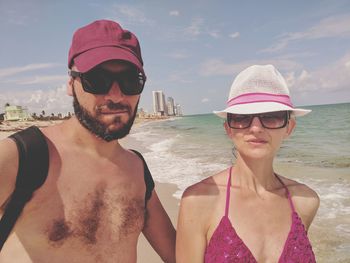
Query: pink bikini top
point(225, 246)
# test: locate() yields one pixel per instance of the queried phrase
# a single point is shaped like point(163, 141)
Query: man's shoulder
point(8, 152)
point(8, 168)
point(7, 144)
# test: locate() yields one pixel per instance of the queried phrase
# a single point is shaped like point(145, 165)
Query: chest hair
point(99, 216)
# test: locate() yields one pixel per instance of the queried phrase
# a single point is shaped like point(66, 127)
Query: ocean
point(187, 149)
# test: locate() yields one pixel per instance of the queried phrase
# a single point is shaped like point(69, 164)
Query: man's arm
point(159, 230)
point(8, 169)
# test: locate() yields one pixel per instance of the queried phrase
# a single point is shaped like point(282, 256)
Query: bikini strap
point(228, 187)
point(287, 192)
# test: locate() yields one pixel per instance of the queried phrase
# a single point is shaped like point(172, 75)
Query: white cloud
point(331, 27)
point(197, 28)
point(307, 86)
point(6, 72)
point(214, 67)
point(234, 35)
point(335, 26)
point(304, 76)
point(333, 77)
point(53, 100)
point(19, 13)
point(217, 67)
point(204, 100)
point(194, 29)
point(50, 79)
point(298, 55)
point(130, 15)
point(214, 34)
point(174, 13)
point(183, 77)
point(179, 55)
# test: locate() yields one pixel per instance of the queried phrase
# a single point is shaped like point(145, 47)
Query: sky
point(192, 50)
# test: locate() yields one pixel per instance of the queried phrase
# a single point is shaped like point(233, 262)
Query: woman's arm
point(306, 203)
point(191, 232)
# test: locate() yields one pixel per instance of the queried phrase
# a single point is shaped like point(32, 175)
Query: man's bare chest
point(99, 216)
point(85, 209)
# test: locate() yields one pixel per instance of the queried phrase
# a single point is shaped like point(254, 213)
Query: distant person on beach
point(98, 197)
point(248, 212)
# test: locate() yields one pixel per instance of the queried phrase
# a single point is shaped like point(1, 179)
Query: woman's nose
point(256, 123)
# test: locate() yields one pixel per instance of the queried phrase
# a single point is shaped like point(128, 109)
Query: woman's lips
point(256, 141)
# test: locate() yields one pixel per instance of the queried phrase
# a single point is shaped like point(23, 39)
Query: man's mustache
point(110, 105)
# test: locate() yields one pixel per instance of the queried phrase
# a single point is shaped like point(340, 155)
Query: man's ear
point(290, 127)
point(70, 84)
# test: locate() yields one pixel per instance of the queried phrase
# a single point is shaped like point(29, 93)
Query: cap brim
point(93, 57)
point(260, 107)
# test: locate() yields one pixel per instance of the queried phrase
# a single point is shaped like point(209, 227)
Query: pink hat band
point(260, 97)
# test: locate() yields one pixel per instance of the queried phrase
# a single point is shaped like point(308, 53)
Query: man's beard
point(95, 126)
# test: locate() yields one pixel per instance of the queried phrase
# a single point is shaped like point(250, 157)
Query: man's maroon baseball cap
point(101, 41)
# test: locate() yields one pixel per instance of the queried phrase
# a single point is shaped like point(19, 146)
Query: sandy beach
point(165, 191)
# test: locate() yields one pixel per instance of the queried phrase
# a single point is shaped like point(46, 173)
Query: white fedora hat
point(259, 89)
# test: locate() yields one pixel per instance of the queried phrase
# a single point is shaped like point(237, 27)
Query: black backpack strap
point(33, 167)
point(147, 177)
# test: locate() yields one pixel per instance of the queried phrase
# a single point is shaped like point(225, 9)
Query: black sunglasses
point(99, 81)
point(269, 120)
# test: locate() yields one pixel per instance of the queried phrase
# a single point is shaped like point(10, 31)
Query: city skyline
point(165, 107)
point(191, 49)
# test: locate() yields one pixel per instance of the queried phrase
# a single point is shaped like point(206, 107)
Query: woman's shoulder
point(209, 186)
point(299, 189)
point(306, 201)
point(206, 193)
point(199, 200)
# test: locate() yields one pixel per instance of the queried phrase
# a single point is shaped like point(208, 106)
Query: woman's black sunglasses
point(99, 81)
point(269, 120)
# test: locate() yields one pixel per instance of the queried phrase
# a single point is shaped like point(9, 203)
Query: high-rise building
point(178, 110)
point(159, 105)
point(171, 106)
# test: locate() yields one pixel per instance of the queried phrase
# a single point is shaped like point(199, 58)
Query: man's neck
point(88, 141)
